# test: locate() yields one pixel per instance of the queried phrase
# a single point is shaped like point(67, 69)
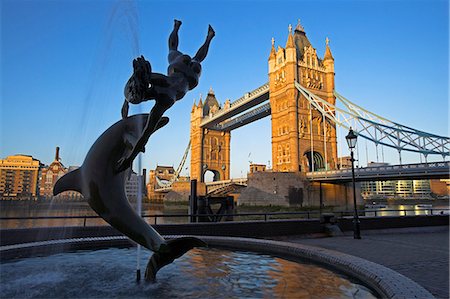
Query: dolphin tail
point(175, 249)
point(69, 181)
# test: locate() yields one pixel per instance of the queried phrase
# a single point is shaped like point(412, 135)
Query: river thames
point(28, 214)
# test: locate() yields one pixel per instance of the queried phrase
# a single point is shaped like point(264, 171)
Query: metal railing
point(262, 216)
point(384, 171)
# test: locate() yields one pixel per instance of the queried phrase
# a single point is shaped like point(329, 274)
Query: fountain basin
point(383, 281)
point(201, 273)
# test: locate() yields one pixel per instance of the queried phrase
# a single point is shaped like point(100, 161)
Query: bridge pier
point(294, 189)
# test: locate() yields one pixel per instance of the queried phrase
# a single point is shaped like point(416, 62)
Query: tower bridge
point(300, 97)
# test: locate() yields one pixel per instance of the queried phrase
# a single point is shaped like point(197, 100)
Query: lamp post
point(351, 141)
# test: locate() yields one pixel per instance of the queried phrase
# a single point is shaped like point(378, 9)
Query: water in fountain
point(201, 273)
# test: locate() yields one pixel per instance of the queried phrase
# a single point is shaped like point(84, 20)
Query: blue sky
point(64, 65)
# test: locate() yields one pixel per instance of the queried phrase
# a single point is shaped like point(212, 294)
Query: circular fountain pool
point(201, 273)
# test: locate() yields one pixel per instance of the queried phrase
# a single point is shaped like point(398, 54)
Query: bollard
point(193, 201)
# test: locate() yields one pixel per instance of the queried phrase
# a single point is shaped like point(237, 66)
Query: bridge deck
point(436, 170)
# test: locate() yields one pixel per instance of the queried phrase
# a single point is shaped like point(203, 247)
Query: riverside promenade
point(419, 253)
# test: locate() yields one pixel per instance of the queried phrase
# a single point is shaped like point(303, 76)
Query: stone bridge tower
point(210, 150)
point(301, 138)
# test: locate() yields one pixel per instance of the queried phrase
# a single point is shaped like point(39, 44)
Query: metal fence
point(89, 220)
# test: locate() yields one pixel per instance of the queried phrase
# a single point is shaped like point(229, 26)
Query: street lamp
point(351, 141)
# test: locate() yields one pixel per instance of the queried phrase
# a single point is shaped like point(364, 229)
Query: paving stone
point(422, 254)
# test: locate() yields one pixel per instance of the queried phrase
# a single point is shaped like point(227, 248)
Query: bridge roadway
point(249, 100)
point(434, 170)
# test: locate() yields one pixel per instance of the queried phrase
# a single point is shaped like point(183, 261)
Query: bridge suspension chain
point(378, 129)
point(177, 172)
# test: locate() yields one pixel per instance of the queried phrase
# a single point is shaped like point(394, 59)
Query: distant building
point(257, 167)
point(132, 187)
point(440, 188)
point(49, 176)
point(396, 189)
point(19, 177)
point(344, 162)
point(163, 176)
point(158, 178)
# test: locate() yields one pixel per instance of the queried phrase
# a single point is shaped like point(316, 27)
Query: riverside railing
point(184, 218)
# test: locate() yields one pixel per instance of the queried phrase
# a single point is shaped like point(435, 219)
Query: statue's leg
point(203, 51)
point(125, 109)
point(173, 38)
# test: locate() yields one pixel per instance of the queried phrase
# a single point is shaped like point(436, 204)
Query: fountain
point(79, 265)
point(101, 178)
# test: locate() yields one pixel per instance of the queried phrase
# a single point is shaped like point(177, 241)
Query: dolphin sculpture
point(103, 186)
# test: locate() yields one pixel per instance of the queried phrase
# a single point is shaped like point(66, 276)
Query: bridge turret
point(290, 48)
point(272, 57)
point(196, 137)
point(296, 141)
point(328, 63)
point(210, 149)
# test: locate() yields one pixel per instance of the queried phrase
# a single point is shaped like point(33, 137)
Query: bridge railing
point(155, 219)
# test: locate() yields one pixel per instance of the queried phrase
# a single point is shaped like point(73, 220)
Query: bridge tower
point(302, 139)
point(210, 149)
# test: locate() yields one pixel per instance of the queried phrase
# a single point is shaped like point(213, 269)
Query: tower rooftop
point(300, 40)
point(210, 101)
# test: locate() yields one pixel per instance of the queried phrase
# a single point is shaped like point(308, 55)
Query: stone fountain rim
point(384, 281)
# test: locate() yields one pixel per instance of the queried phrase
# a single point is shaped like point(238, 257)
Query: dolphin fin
point(173, 250)
point(162, 122)
point(69, 181)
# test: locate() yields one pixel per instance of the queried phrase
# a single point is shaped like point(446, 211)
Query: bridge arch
point(211, 175)
point(314, 159)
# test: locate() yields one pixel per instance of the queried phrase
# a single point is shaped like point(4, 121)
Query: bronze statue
point(101, 178)
point(183, 74)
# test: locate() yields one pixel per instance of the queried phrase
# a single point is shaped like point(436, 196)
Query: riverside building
point(19, 177)
point(49, 175)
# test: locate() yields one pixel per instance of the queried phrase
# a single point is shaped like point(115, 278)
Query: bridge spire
point(328, 55)
point(290, 40)
point(272, 50)
point(299, 27)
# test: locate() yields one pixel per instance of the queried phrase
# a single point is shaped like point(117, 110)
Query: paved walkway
point(422, 254)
